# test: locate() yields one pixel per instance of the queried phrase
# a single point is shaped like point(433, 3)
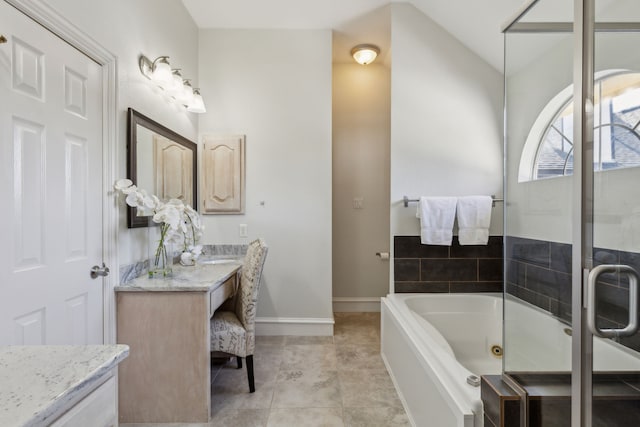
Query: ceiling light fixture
point(171, 82)
point(365, 54)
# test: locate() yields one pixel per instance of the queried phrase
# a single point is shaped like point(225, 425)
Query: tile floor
point(311, 382)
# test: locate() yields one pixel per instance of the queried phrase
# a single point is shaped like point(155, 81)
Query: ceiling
point(475, 23)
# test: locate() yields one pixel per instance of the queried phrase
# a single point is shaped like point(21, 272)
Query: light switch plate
point(243, 229)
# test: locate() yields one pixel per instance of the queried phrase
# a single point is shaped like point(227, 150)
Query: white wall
point(541, 209)
point(361, 133)
point(446, 119)
point(128, 29)
point(274, 86)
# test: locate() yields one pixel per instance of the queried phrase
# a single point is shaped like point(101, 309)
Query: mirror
point(161, 162)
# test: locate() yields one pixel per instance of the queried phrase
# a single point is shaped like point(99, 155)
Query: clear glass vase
point(160, 251)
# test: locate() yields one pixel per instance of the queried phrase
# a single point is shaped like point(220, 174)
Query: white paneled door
point(50, 187)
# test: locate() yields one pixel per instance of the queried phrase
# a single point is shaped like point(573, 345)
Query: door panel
point(174, 170)
point(222, 176)
point(51, 157)
point(613, 280)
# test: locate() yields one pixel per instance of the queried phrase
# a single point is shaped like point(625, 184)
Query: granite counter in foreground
point(40, 382)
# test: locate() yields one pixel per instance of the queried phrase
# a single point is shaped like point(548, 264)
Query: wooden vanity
point(165, 322)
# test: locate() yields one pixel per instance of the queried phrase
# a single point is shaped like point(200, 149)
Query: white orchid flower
point(125, 186)
point(177, 204)
point(136, 198)
point(132, 199)
point(180, 223)
point(144, 211)
point(169, 215)
point(150, 202)
point(122, 184)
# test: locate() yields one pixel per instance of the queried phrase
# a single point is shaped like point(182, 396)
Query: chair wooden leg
point(239, 359)
point(252, 386)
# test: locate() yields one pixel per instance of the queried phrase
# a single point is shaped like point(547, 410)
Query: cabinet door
point(222, 174)
point(174, 170)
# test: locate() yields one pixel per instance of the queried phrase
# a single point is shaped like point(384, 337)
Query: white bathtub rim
point(447, 351)
point(429, 366)
point(461, 397)
point(447, 369)
point(444, 363)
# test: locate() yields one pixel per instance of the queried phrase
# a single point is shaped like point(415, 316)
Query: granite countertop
point(199, 278)
point(38, 382)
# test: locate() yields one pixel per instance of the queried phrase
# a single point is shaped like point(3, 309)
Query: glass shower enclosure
point(572, 211)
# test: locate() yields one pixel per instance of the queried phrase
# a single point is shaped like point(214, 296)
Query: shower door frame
point(584, 29)
point(582, 208)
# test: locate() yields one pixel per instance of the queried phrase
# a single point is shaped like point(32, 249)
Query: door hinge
point(3, 39)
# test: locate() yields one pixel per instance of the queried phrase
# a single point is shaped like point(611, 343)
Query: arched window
point(548, 150)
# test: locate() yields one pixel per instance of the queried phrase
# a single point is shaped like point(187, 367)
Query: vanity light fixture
point(365, 54)
point(171, 82)
point(197, 106)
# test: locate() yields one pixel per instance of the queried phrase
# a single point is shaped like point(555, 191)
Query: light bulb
point(197, 106)
point(161, 73)
point(175, 88)
point(187, 93)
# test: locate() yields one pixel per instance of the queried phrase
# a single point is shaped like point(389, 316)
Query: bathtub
point(432, 343)
point(426, 340)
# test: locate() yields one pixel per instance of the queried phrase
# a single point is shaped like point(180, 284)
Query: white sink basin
point(219, 261)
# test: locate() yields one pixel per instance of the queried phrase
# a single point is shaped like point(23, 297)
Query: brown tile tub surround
point(449, 269)
point(539, 272)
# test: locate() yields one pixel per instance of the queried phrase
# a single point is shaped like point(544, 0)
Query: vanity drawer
point(97, 409)
point(221, 294)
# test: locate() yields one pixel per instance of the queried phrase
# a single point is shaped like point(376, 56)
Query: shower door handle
point(632, 327)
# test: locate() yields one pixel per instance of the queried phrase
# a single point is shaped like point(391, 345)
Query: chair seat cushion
point(227, 334)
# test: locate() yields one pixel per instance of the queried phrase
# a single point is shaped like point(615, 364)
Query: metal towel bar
point(407, 200)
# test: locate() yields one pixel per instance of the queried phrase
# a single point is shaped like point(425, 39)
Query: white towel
point(474, 218)
point(436, 220)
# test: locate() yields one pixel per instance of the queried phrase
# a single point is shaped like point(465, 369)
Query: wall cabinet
point(223, 175)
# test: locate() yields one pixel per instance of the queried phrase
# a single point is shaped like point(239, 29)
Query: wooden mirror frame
point(134, 119)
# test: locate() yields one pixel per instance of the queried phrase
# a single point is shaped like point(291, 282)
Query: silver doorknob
point(96, 271)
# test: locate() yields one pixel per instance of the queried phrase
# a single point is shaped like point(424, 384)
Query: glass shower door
point(572, 212)
point(612, 282)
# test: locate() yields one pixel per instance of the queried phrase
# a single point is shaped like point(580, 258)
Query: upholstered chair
point(233, 324)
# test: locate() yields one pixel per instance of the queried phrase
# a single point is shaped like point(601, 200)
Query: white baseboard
point(356, 304)
point(305, 326)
